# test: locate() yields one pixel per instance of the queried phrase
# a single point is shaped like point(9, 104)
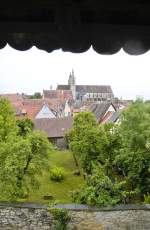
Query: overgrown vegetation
point(115, 158)
point(61, 218)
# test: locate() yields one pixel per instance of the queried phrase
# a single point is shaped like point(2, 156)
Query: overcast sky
point(34, 70)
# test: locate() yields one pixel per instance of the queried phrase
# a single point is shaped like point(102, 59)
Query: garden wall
point(28, 216)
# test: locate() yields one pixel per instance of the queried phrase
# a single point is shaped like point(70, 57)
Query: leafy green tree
point(122, 150)
point(84, 139)
point(7, 120)
point(25, 126)
point(100, 190)
point(92, 142)
point(133, 158)
point(22, 157)
point(111, 142)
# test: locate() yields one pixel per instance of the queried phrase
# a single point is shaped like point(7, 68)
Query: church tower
point(72, 84)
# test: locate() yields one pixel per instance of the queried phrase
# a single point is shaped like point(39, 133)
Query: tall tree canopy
point(84, 139)
point(133, 158)
point(121, 151)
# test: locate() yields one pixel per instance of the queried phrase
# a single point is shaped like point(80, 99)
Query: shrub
point(57, 174)
point(100, 190)
point(61, 218)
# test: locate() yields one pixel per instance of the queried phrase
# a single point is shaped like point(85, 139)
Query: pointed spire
point(72, 72)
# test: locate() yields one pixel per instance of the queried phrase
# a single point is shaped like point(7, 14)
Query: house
point(114, 118)
point(35, 108)
point(38, 108)
point(102, 111)
point(46, 112)
point(87, 92)
point(66, 100)
point(65, 109)
point(55, 128)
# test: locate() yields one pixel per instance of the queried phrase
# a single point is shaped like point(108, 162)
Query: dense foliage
point(25, 126)
point(8, 126)
point(22, 157)
point(120, 152)
point(101, 190)
point(133, 158)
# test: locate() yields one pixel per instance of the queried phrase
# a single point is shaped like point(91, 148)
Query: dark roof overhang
point(76, 25)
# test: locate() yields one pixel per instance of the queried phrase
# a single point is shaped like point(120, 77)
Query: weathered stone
point(35, 218)
point(85, 225)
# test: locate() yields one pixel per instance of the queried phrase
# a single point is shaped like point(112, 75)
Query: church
point(99, 93)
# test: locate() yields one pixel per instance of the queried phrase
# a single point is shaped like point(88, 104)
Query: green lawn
point(61, 191)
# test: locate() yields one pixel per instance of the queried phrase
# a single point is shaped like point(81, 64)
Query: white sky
point(34, 70)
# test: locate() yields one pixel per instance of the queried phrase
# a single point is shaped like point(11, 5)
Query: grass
point(61, 191)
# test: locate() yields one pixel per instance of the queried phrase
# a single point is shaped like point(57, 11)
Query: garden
point(106, 164)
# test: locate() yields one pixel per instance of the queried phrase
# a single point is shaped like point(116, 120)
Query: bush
point(57, 174)
point(100, 190)
point(61, 218)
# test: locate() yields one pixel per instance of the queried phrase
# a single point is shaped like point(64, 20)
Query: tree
point(100, 190)
point(84, 139)
point(7, 120)
point(36, 95)
point(23, 155)
point(133, 158)
point(25, 126)
point(22, 159)
point(122, 151)
point(92, 142)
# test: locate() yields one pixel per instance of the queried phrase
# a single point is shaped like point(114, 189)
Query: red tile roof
point(31, 106)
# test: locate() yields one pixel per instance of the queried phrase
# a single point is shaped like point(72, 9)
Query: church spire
point(71, 80)
point(72, 84)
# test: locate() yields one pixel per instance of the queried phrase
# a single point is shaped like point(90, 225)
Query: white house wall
point(45, 112)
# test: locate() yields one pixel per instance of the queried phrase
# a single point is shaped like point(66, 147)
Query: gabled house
point(65, 109)
point(102, 111)
point(55, 128)
point(46, 112)
point(114, 118)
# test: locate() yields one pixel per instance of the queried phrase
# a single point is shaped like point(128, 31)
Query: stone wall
point(36, 217)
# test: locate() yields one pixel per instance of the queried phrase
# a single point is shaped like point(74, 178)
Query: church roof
point(94, 89)
point(63, 87)
point(88, 88)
